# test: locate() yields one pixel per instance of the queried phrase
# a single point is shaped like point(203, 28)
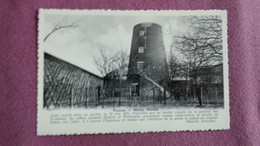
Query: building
point(116, 85)
point(147, 71)
point(209, 85)
point(210, 81)
point(66, 85)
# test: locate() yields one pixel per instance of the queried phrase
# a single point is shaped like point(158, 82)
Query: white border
point(44, 129)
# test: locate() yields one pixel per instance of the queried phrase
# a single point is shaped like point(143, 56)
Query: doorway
point(135, 89)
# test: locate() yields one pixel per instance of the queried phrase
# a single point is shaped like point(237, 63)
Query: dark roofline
point(45, 53)
point(146, 23)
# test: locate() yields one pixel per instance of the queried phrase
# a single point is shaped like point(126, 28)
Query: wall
point(154, 56)
point(68, 85)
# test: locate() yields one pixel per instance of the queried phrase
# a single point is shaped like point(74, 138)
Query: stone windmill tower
point(147, 63)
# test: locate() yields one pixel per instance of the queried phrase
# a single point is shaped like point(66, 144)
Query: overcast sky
point(78, 45)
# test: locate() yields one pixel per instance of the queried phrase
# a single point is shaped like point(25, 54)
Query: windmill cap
point(147, 24)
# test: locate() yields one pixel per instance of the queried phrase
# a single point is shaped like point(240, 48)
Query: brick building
point(147, 71)
point(68, 85)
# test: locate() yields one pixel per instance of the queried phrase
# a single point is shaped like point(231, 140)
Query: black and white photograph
point(132, 61)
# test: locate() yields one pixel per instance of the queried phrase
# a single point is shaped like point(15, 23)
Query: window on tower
point(141, 33)
point(141, 50)
point(140, 65)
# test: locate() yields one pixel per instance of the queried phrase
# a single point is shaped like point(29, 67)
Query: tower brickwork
point(147, 56)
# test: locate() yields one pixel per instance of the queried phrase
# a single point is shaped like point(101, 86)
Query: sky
point(78, 45)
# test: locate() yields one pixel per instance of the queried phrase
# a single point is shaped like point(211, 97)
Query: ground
point(137, 102)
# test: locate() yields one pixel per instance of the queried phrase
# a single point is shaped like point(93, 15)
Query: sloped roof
point(61, 60)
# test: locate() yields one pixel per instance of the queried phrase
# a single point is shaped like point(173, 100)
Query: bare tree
point(61, 25)
point(201, 47)
point(104, 60)
point(175, 70)
point(108, 62)
point(112, 63)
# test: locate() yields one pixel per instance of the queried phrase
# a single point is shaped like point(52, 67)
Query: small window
point(141, 33)
point(141, 50)
point(140, 65)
